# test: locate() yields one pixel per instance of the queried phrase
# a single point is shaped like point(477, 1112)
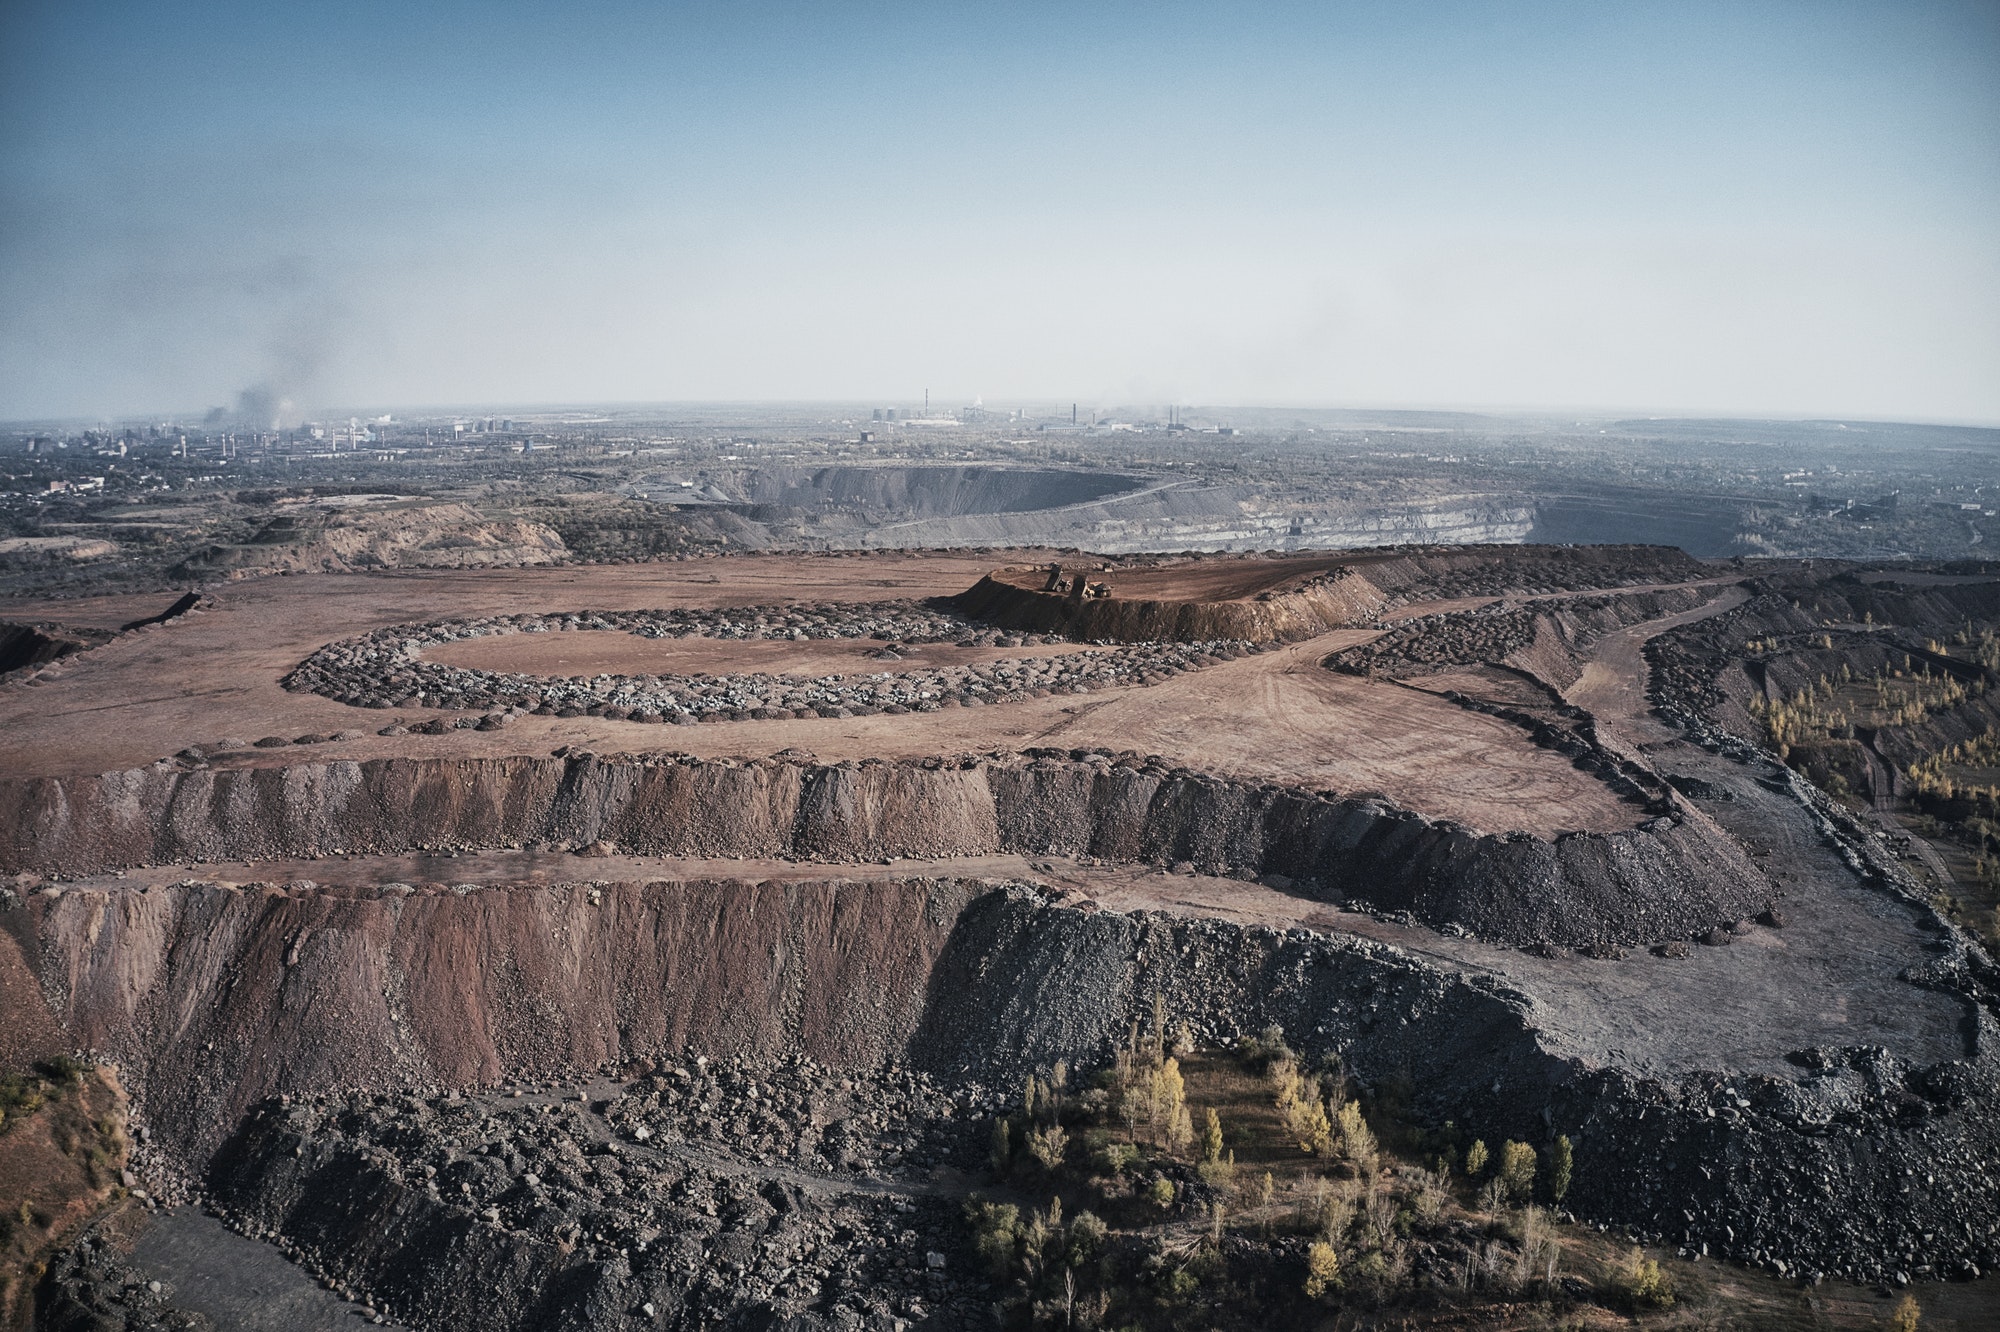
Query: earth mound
point(394, 533)
point(1263, 601)
point(25, 645)
point(1275, 598)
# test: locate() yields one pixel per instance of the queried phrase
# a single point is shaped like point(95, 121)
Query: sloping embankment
point(1667, 878)
point(1284, 614)
point(24, 645)
point(316, 989)
point(1548, 639)
point(215, 998)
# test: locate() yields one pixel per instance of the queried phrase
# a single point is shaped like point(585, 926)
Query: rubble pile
point(387, 669)
point(700, 1195)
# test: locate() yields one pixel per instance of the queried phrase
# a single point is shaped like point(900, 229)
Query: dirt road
point(1613, 685)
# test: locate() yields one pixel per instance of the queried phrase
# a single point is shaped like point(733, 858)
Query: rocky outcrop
point(1667, 878)
point(741, 1195)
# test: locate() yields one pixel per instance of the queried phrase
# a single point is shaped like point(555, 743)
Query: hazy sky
point(1759, 207)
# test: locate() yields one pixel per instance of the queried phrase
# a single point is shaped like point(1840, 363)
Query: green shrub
point(1117, 1157)
point(1643, 1284)
point(1322, 1269)
point(1086, 1238)
point(1260, 1052)
point(1475, 1158)
point(1048, 1145)
point(996, 1233)
point(1357, 1140)
point(61, 1069)
point(1517, 1170)
point(1211, 1137)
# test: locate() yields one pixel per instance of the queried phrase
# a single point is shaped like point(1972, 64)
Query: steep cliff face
point(1667, 878)
point(213, 997)
point(318, 989)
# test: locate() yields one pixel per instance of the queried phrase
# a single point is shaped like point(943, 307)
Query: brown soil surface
point(591, 652)
point(1277, 716)
point(1613, 684)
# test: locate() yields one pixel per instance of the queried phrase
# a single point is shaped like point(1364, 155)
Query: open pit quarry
point(655, 945)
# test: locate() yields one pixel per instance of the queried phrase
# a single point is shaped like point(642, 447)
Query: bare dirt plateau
point(1277, 716)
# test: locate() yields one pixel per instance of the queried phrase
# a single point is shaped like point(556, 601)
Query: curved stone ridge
point(387, 669)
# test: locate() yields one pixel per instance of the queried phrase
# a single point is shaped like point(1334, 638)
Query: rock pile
point(387, 669)
point(90, 1287)
point(700, 1195)
point(1534, 570)
point(1439, 642)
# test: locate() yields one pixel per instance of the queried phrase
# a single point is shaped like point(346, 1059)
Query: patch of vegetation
point(62, 1146)
point(1957, 791)
point(22, 1094)
point(1824, 731)
point(1834, 706)
point(1978, 646)
point(1251, 1187)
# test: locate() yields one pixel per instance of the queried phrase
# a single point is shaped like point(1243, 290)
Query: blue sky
point(1757, 207)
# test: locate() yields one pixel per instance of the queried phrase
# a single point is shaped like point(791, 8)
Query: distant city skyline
point(1762, 208)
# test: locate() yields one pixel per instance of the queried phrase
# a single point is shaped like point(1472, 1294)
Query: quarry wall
point(1669, 877)
point(214, 999)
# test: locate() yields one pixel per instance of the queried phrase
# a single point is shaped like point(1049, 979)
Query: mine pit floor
point(239, 1284)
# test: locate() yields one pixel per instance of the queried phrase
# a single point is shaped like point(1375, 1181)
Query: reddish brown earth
point(1264, 599)
point(1276, 717)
